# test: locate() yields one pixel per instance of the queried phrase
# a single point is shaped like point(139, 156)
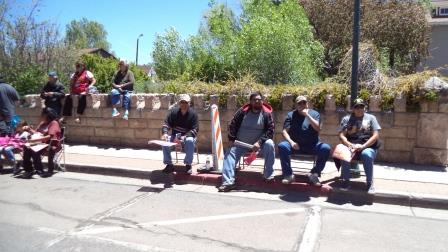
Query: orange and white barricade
point(218, 149)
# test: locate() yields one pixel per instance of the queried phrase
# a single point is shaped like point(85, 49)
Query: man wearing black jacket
point(183, 122)
point(53, 93)
point(252, 124)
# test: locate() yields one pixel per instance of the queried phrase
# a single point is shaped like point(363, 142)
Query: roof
point(99, 51)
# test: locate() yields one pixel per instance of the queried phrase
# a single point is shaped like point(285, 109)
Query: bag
point(344, 153)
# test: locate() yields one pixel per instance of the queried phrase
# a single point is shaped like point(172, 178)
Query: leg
point(228, 170)
point(37, 161)
point(115, 100)
point(322, 150)
point(368, 156)
point(126, 104)
point(189, 150)
point(51, 154)
point(68, 106)
point(27, 165)
point(9, 154)
point(268, 150)
point(345, 170)
point(285, 151)
point(81, 104)
point(167, 153)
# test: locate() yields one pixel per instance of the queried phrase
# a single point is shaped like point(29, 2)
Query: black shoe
point(204, 169)
point(226, 188)
point(27, 175)
point(345, 185)
point(188, 169)
point(47, 174)
point(41, 173)
point(169, 168)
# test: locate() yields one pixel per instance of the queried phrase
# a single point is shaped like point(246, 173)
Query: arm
point(234, 125)
point(371, 140)
point(343, 138)
point(269, 129)
point(130, 80)
point(194, 128)
point(167, 125)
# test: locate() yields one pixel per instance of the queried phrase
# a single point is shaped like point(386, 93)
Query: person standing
point(123, 84)
point(301, 133)
point(8, 99)
point(53, 93)
point(79, 85)
point(252, 124)
point(183, 122)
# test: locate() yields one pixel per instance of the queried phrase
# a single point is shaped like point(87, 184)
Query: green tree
point(86, 34)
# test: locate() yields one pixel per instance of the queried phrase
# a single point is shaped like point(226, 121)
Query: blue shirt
point(300, 129)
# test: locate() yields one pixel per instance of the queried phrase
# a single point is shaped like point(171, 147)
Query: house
point(98, 51)
point(438, 46)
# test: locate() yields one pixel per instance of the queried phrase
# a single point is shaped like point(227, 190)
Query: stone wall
point(420, 138)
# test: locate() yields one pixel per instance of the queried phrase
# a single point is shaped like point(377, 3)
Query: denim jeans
point(234, 154)
point(367, 157)
point(322, 150)
point(188, 146)
point(8, 153)
point(5, 128)
point(115, 98)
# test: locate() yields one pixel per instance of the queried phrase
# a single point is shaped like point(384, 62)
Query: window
point(443, 12)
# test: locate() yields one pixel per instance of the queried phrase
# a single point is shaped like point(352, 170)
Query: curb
point(253, 181)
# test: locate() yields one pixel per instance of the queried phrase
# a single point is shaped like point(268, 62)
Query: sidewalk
point(402, 184)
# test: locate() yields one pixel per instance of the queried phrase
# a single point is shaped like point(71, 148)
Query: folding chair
point(196, 149)
point(60, 153)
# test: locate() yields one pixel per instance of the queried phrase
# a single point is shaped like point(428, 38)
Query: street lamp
point(355, 51)
point(136, 53)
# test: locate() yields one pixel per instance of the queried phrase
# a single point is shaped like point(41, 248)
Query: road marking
point(98, 218)
point(130, 245)
point(312, 230)
point(193, 220)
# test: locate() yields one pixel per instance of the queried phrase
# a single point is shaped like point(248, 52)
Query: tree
point(86, 34)
point(398, 28)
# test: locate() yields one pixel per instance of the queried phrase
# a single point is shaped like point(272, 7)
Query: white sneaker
point(288, 179)
point(115, 113)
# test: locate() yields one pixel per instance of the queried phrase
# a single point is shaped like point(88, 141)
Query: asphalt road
point(79, 212)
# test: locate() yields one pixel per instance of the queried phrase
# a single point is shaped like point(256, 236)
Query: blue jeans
point(322, 150)
point(188, 146)
point(235, 153)
point(367, 157)
point(5, 128)
point(8, 153)
point(115, 98)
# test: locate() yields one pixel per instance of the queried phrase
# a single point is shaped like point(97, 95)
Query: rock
point(436, 84)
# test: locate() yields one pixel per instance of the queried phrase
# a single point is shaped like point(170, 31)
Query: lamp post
point(136, 53)
point(355, 51)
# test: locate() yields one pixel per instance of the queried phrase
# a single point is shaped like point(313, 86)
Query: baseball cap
point(52, 74)
point(300, 98)
point(358, 102)
point(184, 97)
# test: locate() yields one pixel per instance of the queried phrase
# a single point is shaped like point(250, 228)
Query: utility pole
point(355, 51)
point(136, 53)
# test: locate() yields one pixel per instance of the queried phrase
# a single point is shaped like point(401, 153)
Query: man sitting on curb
point(360, 132)
point(301, 131)
point(252, 124)
point(183, 122)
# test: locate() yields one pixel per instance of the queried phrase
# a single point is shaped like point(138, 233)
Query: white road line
point(194, 220)
point(130, 245)
point(312, 230)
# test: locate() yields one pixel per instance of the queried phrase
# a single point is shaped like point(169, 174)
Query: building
point(438, 46)
point(98, 51)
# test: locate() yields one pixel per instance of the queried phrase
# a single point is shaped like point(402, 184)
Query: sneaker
point(41, 173)
point(226, 188)
point(370, 188)
point(314, 179)
point(204, 169)
point(126, 116)
point(188, 169)
point(77, 120)
point(269, 179)
point(169, 168)
point(47, 174)
point(27, 175)
point(115, 113)
point(345, 185)
point(288, 179)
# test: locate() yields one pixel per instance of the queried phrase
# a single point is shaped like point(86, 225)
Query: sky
point(125, 20)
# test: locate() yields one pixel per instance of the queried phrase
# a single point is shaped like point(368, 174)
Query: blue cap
point(52, 74)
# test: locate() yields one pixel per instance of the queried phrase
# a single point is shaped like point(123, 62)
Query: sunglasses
point(302, 103)
point(183, 102)
point(359, 107)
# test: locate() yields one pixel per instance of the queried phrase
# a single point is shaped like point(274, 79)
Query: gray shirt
point(8, 97)
point(359, 129)
point(251, 128)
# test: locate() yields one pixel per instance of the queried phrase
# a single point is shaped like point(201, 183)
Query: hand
point(164, 137)
point(358, 147)
point(230, 143)
point(304, 111)
point(49, 94)
point(256, 146)
point(294, 145)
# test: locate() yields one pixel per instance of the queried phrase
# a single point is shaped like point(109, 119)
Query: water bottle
point(207, 163)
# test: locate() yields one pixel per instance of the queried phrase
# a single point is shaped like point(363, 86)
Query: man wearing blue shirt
point(301, 131)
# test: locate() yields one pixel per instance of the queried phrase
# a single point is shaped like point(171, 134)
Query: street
point(81, 212)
